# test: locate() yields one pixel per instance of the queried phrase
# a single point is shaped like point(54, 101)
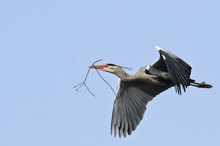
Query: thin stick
point(106, 82)
point(78, 86)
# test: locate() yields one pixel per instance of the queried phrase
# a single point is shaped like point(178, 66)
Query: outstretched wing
point(130, 105)
point(179, 71)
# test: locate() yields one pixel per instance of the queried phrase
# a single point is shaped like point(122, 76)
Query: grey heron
point(135, 91)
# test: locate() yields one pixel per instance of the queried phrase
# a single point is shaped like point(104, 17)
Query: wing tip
point(158, 47)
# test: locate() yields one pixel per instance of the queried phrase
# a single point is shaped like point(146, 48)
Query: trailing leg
point(200, 85)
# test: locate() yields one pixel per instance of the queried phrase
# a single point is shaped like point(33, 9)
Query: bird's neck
point(122, 75)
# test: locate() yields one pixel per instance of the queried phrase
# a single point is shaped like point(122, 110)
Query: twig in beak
point(78, 86)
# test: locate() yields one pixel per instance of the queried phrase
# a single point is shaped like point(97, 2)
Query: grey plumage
point(135, 91)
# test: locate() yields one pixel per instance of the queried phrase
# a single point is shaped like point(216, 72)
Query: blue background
point(47, 45)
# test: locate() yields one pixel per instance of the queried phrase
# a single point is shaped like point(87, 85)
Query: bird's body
point(135, 91)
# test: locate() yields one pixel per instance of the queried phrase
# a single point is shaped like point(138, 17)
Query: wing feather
point(130, 106)
point(178, 70)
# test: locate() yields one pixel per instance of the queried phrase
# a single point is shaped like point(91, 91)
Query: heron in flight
point(135, 91)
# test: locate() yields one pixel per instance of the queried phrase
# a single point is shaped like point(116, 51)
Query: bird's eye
point(110, 64)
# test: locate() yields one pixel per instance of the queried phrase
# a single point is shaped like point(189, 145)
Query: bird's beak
point(98, 66)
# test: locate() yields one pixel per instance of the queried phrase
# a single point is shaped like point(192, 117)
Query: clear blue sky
point(47, 45)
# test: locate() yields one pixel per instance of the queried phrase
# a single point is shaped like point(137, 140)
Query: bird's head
point(112, 68)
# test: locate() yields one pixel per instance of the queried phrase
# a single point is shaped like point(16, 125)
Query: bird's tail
point(200, 85)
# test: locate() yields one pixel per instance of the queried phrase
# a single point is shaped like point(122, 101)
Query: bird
point(136, 90)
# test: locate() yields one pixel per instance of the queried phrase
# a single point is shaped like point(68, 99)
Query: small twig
point(78, 86)
point(106, 82)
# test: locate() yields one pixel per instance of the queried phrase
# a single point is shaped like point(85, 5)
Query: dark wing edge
point(130, 106)
point(179, 71)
